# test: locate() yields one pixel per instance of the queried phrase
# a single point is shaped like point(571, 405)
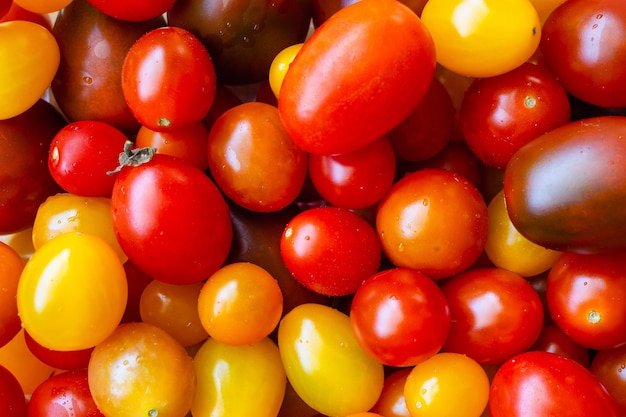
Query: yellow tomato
point(482, 38)
point(42, 6)
point(29, 59)
point(280, 65)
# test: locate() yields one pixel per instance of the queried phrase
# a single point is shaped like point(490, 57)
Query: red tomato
point(15, 12)
point(171, 220)
point(391, 402)
point(400, 317)
point(609, 366)
point(586, 296)
point(546, 384)
point(135, 11)
point(592, 64)
point(68, 360)
point(168, 79)
point(553, 339)
point(495, 314)
point(330, 250)
point(339, 96)
point(12, 399)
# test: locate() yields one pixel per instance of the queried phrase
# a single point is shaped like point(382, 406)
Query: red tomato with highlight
point(135, 11)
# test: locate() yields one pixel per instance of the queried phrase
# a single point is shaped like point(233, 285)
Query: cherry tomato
point(168, 79)
point(11, 266)
point(140, 370)
point(329, 108)
point(137, 281)
point(472, 39)
point(434, 221)
point(47, 6)
point(280, 65)
point(434, 387)
point(240, 304)
point(545, 7)
point(70, 283)
point(64, 394)
point(330, 250)
point(553, 339)
point(391, 402)
point(136, 11)
point(323, 9)
point(325, 364)
point(188, 233)
point(609, 367)
point(68, 360)
point(12, 399)
point(456, 157)
point(16, 12)
point(400, 317)
point(30, 57)
point(546, 384)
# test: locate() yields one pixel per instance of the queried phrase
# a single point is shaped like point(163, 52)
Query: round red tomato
point(171, 220)
point(400, 317)
point(12, 399)
point(67, 360)
point(609, 366)
point(135, 11)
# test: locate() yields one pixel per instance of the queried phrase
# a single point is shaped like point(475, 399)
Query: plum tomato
point(168, 79)
point(590, 65)
point(330, 250)
point(12, 399)
point(68, 360)
point(253, 160)
point(11, 266)
point(82, 153)
point(332, 109)
point(357, 179)
point(64, 394)
point(546, 384)
point(495, 314)
point(564, 190)
point(435, 388)
point(187, 234)
point(400, 317)
point(325, 364)
point(136, 11)
point(127, 371)
point(609, 367)
point(500, 114)
point(586, 296)
point(472, 39)
point(434, 221)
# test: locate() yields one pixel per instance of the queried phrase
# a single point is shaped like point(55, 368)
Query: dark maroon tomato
point(323, 9)
point(243, 37)
point(590, 65)
point(609, 366)
point(586, 296)
point(12, 399)
point(400, 317)
point(500, 114)
point(546, 384)
point(565, 190)
point(137, 282)
point(64, 360)
point(330, 250)
point(25, 181)
point(62, 395)
point(495, 314)
point(553, 339)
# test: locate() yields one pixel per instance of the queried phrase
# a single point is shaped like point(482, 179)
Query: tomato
point(553, 339)
point(585, 295)
point(546, 384)
point(508, 249)
point(156, 76)
point(356, 179)
point(400, 317)
point(82, 153)
point(127, 371)
point(391, 402)
point(280, 65)
point(16, 12)
point(137, 282)
point(188, 233)
point(11, 266)
point(64, 394)
point(330, 250)
point(433, 387)
point(323, 9)
point(337, 97)
point(37, 6)
point(434, 221)
point(5, 6)
point(12, 399)
point(500, 114)
point(545, 7)
point(70, 283)
point(325, 364)
point(68, 360)
point(608, 366)
point(588, 65)
point(563, 190)
point(482, 38)
point(240, 304)
point(136, 11)
point(30, 57)
point(456, 157)
point(253, 160)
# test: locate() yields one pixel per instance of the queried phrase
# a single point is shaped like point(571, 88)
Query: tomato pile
point(312, 208)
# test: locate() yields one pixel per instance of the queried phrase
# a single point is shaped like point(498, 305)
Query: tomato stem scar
point(133, 157)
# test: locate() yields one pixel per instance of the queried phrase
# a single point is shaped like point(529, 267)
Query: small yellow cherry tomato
point(30, 57)
point(482, 38)
point(42, 6)
point(280, 65)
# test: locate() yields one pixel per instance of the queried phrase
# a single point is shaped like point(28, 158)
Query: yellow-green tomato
point(482, 38)
point(447, 385)
point(72, 292)
point(325, 364)
point(508, 249)
point(238, 381)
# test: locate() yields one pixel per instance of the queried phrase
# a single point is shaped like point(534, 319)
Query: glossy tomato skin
point(609, 367)
point(590, 65)
point(564, 190)
point(553, 339)
point(171, 220)
point(332, 109)
point(135, 12)
point(12, 399)
point(64, 360)
point(546, 384)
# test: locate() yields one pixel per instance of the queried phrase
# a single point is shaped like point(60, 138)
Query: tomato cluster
point(347, 208)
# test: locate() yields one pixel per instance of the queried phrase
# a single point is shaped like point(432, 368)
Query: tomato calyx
point(133, 157)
